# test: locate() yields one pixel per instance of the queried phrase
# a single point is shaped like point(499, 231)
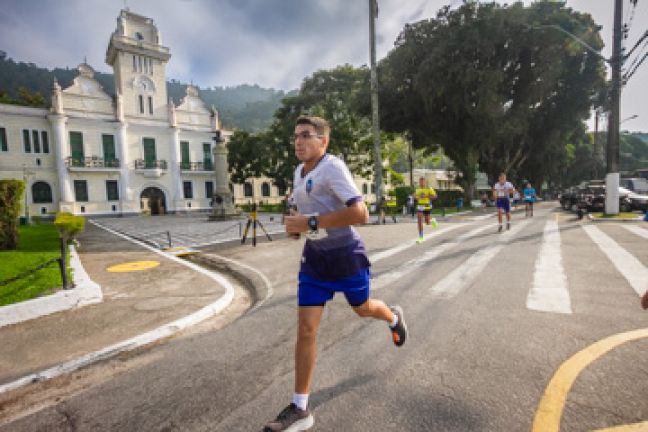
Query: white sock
point(301, 400)
point(394, 322)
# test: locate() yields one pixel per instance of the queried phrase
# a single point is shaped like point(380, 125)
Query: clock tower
point(139, 65)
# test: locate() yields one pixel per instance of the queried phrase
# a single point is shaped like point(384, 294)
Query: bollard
point(169, 239)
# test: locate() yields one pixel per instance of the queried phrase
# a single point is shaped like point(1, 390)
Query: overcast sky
point(273, 43)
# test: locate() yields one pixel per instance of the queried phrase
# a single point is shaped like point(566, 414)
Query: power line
point(641, 39)
point(629, 74)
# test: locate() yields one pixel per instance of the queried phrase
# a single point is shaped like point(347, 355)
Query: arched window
point(373, 188)
point(364, 189)
point(265, 189)
point(247, 189)
point(41, 193)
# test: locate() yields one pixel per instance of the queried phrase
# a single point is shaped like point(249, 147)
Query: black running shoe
point(499, 229)
point(399, 333)
point(291, 419)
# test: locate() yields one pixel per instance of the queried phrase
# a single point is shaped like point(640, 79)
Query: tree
point(11, 192)
point(493, 103)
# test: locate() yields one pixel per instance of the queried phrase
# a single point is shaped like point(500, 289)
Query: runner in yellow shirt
point(424, 196)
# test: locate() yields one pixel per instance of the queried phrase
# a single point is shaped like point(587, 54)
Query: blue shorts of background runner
point(504, 204)
point(316, 292)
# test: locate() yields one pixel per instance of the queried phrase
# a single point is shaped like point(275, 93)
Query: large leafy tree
point(336, 95)
point(492, 87)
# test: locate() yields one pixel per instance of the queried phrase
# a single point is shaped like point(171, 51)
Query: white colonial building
point(96, 154)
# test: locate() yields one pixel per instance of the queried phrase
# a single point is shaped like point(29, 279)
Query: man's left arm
point(355, 213)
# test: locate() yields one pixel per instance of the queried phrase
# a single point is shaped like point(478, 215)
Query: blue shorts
point(316, 292)
point(504, 204)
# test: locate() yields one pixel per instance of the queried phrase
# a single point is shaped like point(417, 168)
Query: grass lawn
point(621, 215)
point(36, 244)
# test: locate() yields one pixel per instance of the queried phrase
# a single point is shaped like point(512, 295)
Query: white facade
point(96, 154)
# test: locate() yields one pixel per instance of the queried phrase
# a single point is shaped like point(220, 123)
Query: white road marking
point(549, 292)
point(636, 230)
point(410, 243)
point(463, 275)
point(412, 265)
point(629, 266)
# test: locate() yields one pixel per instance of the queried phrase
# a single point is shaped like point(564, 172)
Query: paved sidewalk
point(134, 302)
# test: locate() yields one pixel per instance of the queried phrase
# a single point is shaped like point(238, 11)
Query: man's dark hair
point(321, 126)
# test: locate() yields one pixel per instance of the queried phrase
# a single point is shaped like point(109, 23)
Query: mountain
point(246, 107)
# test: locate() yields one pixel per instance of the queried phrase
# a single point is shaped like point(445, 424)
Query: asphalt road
point(477, 359)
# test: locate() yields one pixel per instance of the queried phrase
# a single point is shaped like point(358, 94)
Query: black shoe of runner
point(399, 333)
point(291, 419)
point(499, 229)
point(508, 226)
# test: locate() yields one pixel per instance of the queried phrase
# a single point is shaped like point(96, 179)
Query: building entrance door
point(152, 200)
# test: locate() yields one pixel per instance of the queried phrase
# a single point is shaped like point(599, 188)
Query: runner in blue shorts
point(501, 194)
point(334, 258)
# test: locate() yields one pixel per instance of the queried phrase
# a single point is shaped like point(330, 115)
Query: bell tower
point(139, 67)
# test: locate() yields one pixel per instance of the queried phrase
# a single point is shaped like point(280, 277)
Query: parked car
point(635, 184)
point(634, 201)
point(569, 198)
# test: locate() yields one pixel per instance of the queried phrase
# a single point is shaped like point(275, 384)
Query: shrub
point(11, 192)
point(69, 225)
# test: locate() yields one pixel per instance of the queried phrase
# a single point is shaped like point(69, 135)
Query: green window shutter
point(112, 192)
point(184, 154)
point(207, 157)
point(108, 148)
point(149, 152)
point(36, 141)
point(3, 139)
point(26, 141)
point(76, 148)
point(80, 191)
point(45, 142)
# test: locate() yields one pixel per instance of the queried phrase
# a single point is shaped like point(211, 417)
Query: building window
point(76, 148)
point(3, 139)
point(36, 141)
point(150, 101)
point(247, 189)
point(45, 142)
point(185, 163)
point(41, 193)
point(207, 157)
point(141, 104)
point(80, 190)
point(150, 156)
point(134, 64)
point(151, 66)
point(265, 189)
point(26, 141)
point(108, 143)
point(112, 193)
point(365, 189)
point(139, 69)
point(373, 188)
point(209, 189)
point(188, 189)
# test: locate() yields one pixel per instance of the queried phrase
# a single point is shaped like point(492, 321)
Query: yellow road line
point(547, 418)
point(636, 427)
point(133, 266)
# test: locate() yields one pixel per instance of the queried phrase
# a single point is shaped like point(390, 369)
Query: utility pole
point(373, 14)
point(612, 176)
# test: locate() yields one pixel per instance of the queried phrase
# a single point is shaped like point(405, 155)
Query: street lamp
point(632, 117)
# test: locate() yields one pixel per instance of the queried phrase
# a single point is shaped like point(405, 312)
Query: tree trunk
point(63, 262)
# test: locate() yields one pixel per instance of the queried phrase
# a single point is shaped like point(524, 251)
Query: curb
point(137, 341)
point(85, 292)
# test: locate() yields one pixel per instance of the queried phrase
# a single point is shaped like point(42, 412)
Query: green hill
point(247, 107)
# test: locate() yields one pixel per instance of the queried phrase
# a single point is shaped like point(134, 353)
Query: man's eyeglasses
point(306, 135)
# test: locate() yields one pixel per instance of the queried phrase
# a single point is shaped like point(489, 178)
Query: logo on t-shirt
point(309, 185)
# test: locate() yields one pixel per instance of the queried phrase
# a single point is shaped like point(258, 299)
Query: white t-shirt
point(503, 190)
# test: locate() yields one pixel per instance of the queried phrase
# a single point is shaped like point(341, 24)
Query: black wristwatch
point(312, 223)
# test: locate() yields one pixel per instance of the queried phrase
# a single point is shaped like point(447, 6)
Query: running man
point(424, 196)
point(501, 194)
point(335, 261)
point(529, 198)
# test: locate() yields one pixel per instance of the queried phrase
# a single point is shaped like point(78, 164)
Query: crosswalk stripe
point(549, 292)
point(463, 275)
point(629, 266)
point(410, 243)
point(412, 265)
point(636, 230)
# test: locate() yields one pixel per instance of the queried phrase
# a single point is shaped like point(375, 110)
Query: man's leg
point(306, 347)
point(419, 216)
point(394, 316)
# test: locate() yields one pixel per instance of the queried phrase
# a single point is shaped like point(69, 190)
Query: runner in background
point(502, 195)
point(529, 198)
point(424, 196)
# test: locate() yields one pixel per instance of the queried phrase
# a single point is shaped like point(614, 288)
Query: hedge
point(11, 193)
